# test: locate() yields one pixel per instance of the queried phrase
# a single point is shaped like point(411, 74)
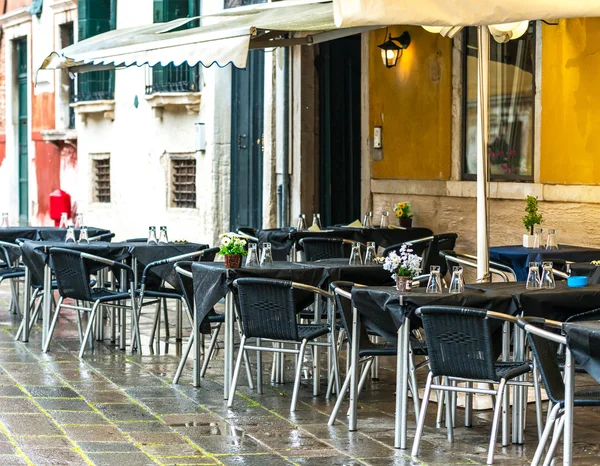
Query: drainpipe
point(283, 146)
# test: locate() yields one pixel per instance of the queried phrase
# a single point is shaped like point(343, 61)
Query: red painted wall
point(47, 171)
point(2, 148)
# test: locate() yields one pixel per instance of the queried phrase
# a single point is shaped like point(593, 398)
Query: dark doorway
point(247, 99)
point(339, 126)
point(23, 129)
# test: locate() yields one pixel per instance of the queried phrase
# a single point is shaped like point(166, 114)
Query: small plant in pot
point(530, 220)
point(233, 247)
point(404, 266)
point(404, 214)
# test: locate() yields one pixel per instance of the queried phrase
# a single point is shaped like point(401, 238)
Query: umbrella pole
point(483, 255)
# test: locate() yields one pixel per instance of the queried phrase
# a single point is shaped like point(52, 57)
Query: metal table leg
point(228, 363)
point(26, 306)
point(354, 369)
point(568, 416)
point(47, 303)
point(402, 386)
point(178, 321)
point(315, 350)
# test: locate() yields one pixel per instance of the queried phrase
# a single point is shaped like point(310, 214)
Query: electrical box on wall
point(200, 137)
point(377, 137)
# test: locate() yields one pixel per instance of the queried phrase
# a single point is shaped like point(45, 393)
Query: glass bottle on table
point(266, 259)
point(434, 284)
point(163, 238)
point(152, 236)
point(368, 220)
point(317, 221)
point(4, 223)
point(355, 255)
point(547, 280)
point(70, 236)
point(301, 225)
point(457, 283)
point(385, 220)
point(64, 218)
point(371, 254)
point(552, 240)
point(252, 258)
point(83, 235)
point(79, 221)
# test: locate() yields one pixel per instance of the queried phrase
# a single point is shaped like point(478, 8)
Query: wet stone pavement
point(118, 408)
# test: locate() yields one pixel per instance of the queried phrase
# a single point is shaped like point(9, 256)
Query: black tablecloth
point(385, 309)
point(11, 234)
point(518, 257)
point(583, 339)
point(35, 254)
point(559, 303)
point(587, 270)
point(339, 269)
point(282, 239)
point(147, 253)
point(212, 281)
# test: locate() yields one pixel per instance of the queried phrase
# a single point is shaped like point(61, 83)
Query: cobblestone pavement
point(115, 408)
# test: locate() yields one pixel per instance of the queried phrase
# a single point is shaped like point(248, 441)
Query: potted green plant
point(530, 220)
point(404, 214)
point(233, 247)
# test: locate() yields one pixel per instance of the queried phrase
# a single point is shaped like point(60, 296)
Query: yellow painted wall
point(570, 145)
point(412, 102)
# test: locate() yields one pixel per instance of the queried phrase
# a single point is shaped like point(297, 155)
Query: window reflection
point(511, 74)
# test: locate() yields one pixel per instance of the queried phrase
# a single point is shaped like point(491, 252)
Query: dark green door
point(247, 98)
point(23, 133)
point(339, 124)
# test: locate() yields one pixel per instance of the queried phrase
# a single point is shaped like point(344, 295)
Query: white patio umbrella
point(505, 19)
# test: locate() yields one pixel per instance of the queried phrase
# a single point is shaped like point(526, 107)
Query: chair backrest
point(459, 342)
point(431, 255)
point(545, 353)
point(72, 275)
point(267, 309)
point(323, 248)
point(502, 271)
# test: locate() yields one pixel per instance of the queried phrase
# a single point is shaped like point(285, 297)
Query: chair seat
point(168, 293)
point(377, 349)
point(310, 332)
point(510, 370)
point(12, 273)
point(587, 398)
point(102, 294)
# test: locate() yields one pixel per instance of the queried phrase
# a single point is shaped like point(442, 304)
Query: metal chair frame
point(105, 301)
point(506, 273)
point(299, 352)
point(449, 384)
point(14, 273)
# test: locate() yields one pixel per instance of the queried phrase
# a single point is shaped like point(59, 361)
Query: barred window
point(101, 174)
point(183, 182)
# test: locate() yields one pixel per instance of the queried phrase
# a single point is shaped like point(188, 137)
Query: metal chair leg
point(495, 422)
point(53, 324)
point(259, 368)
point(538, 399)
point(236, 372)
point(469, 406)
point(421, 423)
point(449, 420)
point(414, 387)
point(155, 321)
point(166, 317)
point(299, 361)
point(558, 429)
point(184, 357)
point(211, 347)
point(88, 331)
point(545, 435)
point(340, 400)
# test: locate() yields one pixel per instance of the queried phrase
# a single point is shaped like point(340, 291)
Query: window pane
point(511, 75)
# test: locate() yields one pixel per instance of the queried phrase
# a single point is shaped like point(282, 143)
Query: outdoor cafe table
point(518, 257)
point(389, 310)
point(212, 282)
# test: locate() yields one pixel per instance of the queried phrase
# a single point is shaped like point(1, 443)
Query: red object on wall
point(59, 202)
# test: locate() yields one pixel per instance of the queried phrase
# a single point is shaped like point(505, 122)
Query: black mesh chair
point(71, 269)
point(504, 272)
point(102, 237)
point(316, 249)
point(159, 293)
point(12, 271)
point(460, 347)
point(267, 311)
point(211, 325)
point(545, 343)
